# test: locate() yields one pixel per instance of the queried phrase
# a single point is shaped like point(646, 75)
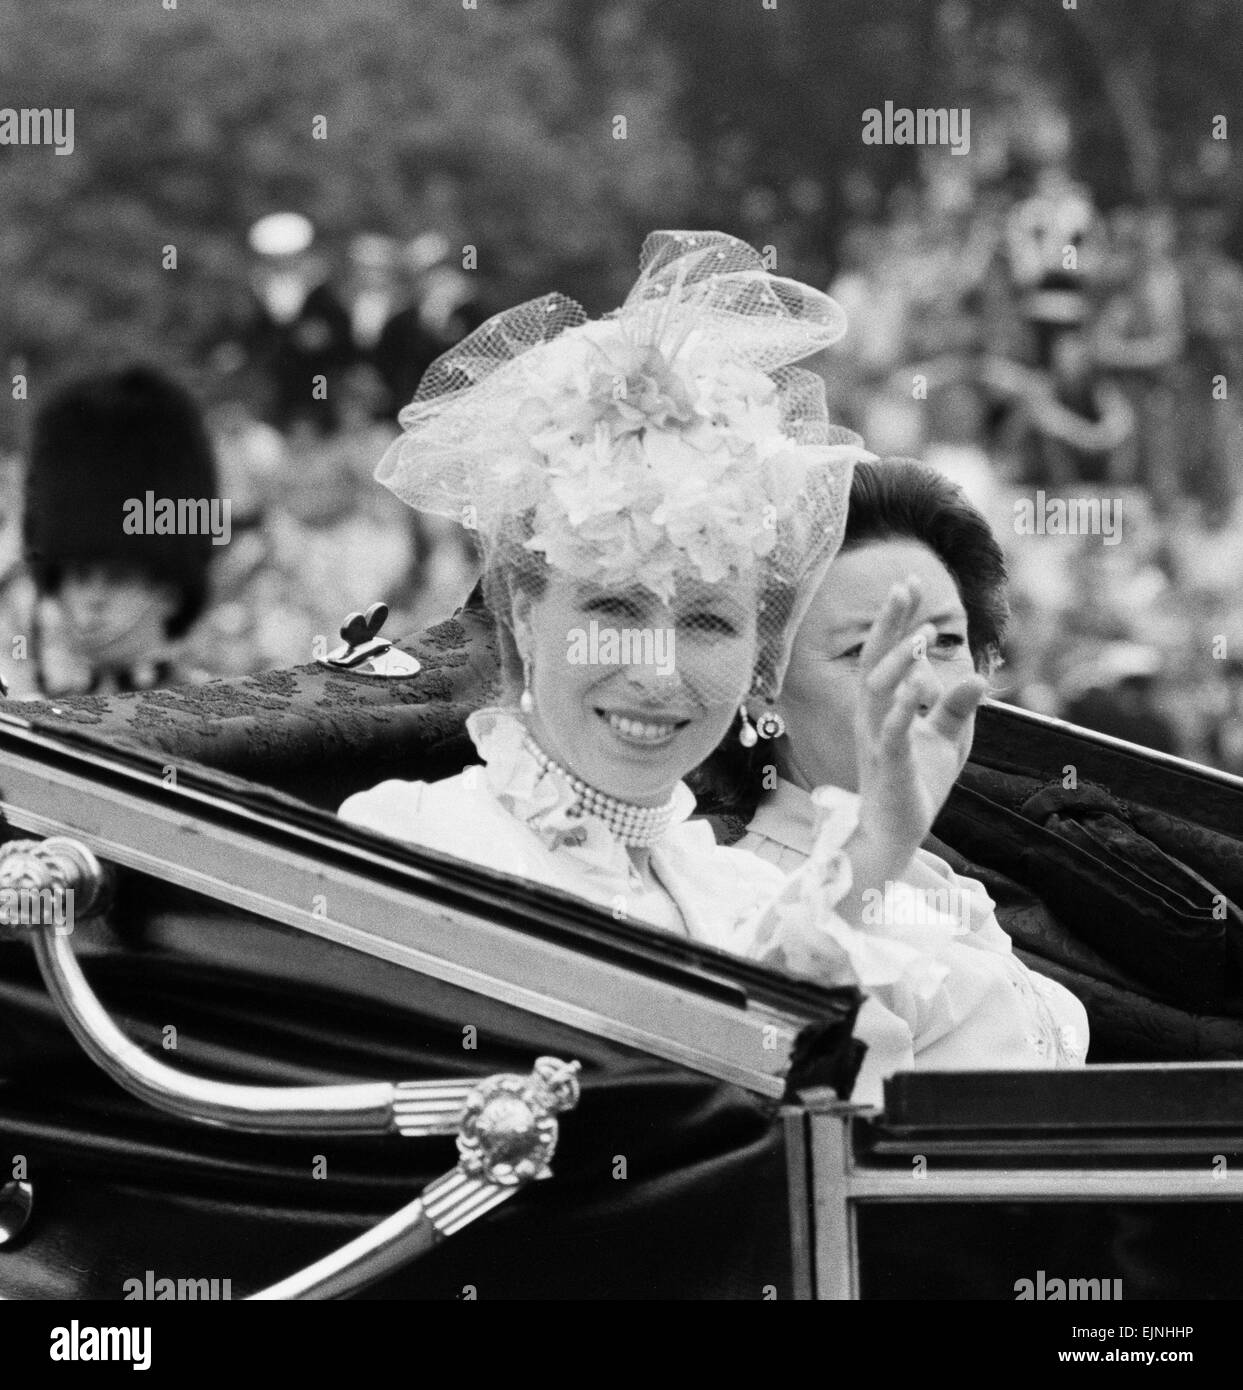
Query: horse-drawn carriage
point(248, 1050)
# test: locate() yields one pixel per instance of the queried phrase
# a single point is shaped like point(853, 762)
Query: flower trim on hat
point(646, 463)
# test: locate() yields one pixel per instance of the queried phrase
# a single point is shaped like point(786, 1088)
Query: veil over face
point(672, 442)
point(631, 692)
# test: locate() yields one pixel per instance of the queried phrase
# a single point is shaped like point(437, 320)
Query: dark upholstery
point(1117, 873)
point(313, 732)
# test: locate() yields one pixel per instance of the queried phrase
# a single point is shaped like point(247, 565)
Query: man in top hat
point(299, 333)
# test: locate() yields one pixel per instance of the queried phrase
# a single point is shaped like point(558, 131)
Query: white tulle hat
point(675, 437)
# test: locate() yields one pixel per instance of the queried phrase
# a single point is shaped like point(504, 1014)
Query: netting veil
point(671, 439)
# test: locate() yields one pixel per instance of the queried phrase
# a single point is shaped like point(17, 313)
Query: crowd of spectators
point(1043, 351)
point(309, 371)
point(1032, 346)
point(315, 371)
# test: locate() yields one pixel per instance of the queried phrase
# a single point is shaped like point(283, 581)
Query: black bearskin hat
point(98, 444)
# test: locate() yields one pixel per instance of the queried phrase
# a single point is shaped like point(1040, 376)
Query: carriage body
point(253, 939)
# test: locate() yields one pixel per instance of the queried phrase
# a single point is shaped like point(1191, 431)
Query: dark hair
point(901, 499)
point(95, 445)
point(897, 499)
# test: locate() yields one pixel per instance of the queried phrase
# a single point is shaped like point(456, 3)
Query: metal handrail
point(66, 867)
point(506, 1127)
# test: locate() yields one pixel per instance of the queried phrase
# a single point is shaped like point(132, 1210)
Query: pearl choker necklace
point(641, 826)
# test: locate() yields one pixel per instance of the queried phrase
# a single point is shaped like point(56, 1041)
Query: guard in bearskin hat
point(121, 519)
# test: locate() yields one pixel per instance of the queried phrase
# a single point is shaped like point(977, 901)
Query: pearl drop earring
point(525, 701)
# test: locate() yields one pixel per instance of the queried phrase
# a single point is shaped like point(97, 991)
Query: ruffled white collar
point(542, 798)
point(795, 818)
point(790, 816)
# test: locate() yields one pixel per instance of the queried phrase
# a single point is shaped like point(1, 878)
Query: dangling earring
point(770, 724)
point(746, 732)
point(525, 703)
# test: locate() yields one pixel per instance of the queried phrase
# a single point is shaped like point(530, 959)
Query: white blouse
point(995, 1012)
point(514, 816)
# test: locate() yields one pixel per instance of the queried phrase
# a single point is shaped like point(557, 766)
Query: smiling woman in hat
point(668, 475)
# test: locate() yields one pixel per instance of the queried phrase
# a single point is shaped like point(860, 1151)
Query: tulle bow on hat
point(672, 437)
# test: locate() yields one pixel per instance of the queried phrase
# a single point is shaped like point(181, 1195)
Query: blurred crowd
point(315, 369)
point(310, 368)
point(1038, 349)
point(1008, 332)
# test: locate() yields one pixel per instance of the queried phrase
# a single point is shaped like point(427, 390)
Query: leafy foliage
point(496, 124)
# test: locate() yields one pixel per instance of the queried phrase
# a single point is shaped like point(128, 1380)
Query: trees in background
point(494, 125)
point(499, 125)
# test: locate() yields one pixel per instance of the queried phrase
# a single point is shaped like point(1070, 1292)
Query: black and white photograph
point(621, 646)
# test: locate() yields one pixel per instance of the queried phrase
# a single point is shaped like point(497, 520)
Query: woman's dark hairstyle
point(896, 499)
point(901, 499)
point(97, 444)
